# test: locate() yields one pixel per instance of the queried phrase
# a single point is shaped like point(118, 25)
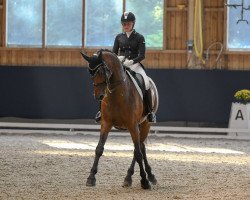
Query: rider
point(130, 47)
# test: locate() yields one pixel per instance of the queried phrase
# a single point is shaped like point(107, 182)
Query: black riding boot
point(98, 115)
point(151, 114)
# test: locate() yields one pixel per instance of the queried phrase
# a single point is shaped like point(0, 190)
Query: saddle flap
point(139, 86)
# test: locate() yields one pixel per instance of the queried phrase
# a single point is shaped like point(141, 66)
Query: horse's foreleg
point(128, 179)
point(151, 177)
point(91, 181)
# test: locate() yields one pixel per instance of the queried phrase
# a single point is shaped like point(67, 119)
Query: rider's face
point(127, 26)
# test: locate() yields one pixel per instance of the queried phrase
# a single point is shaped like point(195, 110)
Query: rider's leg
point(148, 99)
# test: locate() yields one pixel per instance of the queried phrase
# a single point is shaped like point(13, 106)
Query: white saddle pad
point(136, 85)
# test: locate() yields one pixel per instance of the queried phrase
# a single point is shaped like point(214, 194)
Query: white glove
point(121, 58)
point(128, 63)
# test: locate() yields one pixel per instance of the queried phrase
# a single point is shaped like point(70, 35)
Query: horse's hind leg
point(91, 181)
point(139, 157)
point(128, 179)
point(144, 130)
point(151, 177)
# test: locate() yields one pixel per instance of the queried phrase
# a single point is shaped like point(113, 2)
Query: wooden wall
point(174, 55)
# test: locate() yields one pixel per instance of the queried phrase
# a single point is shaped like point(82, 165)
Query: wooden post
point(190, 29)
point(3, 28)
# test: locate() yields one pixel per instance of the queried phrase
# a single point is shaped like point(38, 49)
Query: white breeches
point(137, 68)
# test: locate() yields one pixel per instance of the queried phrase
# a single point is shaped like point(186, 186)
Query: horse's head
point(99, 73)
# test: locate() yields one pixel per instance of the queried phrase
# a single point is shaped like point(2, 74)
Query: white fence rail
point(63, 128)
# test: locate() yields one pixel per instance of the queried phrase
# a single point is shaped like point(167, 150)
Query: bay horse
point(121, 107)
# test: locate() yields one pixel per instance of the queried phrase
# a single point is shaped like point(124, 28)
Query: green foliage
point(149, 20)
point(64, 22)
point(158, 13)
point(155, 40)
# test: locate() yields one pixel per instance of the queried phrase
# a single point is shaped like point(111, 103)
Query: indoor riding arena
point(171, 80)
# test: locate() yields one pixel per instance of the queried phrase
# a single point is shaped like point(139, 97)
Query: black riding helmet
point(127, 17)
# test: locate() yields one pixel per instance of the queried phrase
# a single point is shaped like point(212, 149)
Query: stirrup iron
point(98, 117)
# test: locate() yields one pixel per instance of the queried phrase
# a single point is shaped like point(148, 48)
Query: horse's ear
point(87, 58)
point(99, 54)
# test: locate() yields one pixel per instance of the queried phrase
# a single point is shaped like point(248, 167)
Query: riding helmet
point(127, 17)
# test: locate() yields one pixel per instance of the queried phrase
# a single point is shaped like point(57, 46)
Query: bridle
point(111, 87)
point(94, 73)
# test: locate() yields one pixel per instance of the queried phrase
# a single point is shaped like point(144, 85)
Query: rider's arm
point(141, 50)
point(116, 46)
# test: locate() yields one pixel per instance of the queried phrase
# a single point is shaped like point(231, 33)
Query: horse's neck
point(118, 75)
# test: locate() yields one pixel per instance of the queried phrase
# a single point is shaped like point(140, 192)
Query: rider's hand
point(128, 63)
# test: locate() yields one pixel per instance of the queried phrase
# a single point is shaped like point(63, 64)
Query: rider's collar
point(129, 33)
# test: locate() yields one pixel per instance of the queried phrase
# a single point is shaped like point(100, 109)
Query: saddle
point(137, 80)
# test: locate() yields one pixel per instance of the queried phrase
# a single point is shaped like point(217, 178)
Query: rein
point(114, 84)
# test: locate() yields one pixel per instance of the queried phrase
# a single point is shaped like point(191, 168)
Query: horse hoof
point(91, 182)
point(127, 182)
point(145, 184)
point(152, 179)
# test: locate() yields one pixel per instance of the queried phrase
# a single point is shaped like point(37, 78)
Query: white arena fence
point(64, 128)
